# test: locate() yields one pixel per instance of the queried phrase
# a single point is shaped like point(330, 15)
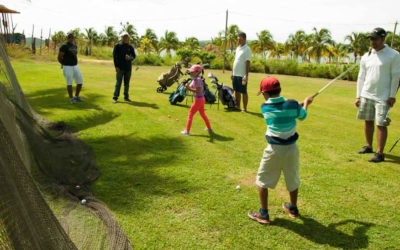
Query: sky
point(204, 19)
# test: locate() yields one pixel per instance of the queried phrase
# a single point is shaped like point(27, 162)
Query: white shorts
point(72, 73)
point(277, 159)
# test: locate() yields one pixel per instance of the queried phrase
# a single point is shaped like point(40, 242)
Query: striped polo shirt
point(280, 115)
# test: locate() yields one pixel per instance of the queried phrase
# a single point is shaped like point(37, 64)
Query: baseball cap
point(195, 68)
point(268, 84)
point(124, 34)
point(376, 33)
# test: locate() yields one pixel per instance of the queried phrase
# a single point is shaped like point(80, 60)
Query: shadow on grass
point(216, 137)
point(328, 235)
point(58, 98)
point(90, 120)
point(133, 170)
point(392, 158)
point(141, 104)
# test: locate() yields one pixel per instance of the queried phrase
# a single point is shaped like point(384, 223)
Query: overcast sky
point(204, 19)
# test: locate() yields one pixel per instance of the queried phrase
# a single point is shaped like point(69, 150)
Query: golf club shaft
point(394, 145)
point(332, 81)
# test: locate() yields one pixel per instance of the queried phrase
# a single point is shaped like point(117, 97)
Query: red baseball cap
point(269, 83)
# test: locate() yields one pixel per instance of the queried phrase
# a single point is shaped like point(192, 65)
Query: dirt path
point(94, 60)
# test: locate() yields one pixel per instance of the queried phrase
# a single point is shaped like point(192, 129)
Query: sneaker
point(185, 132)
point(78, 99)
point(378, 157)
point(209, 130)
point(365, 150)
point(72, 100)
point(291, 210)
point(114, 101)
point(244, 111)
point(256, 216)
point(128, 100)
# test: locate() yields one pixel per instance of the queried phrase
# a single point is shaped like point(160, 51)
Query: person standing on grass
point(68, 58)
point(197, 87)
point(377, 85)
point(281, 153)
point(240, 72)
point(123, 54)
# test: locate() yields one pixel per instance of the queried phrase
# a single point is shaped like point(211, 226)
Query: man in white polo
point(377, 85)
point(67, 56)
point(240, 72)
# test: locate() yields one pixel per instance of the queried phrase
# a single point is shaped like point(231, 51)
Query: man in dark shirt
point(67, 56)
point(123, 55)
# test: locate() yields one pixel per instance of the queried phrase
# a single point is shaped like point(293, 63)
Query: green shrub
point(148, 59)
point(257, 65)
point(103, 53)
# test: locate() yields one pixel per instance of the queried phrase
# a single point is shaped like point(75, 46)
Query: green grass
point(171, 191)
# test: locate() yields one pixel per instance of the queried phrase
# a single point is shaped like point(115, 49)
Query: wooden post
point(41, 39)
point(226, 28)
point(33, 40)
point(394, 33)
point(48, 46)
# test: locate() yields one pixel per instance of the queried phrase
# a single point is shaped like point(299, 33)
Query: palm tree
point(263, 43)
point(131, 30)
point(338, 51)
point(192, 43)
point(296, 43)
point(278, 50)
point(90, 35)
point(231, 36)
point(218, 41)
point(145, 45)
point(320, 41)
point(169, 42)
point(358, 44)
point(152, 37)
point(111, 35)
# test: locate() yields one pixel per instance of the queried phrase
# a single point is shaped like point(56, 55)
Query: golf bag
point(208, 95)
point(180, 93)
point(225, 93)
point(167, 79)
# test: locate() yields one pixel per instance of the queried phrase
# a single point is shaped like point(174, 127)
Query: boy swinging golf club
point(281, 153)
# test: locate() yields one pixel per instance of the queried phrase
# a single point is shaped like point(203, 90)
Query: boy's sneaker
point(365, 150)
point(128, 100)
point(115, 101)
point(185, 132)
point(72, 100)
point(292, 211)
point(78, 99)
point(378, 157)
point(256, 216)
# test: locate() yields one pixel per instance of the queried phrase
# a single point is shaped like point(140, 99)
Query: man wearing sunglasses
point(377, 84)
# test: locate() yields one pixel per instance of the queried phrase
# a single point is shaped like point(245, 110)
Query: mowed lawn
point(176, 192)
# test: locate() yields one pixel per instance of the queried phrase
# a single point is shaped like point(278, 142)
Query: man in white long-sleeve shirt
point(377, 85)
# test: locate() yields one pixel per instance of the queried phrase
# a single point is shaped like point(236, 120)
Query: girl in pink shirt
point(197, 87)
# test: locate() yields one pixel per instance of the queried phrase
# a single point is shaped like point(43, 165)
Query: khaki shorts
point(371, 110)
point(278, 158)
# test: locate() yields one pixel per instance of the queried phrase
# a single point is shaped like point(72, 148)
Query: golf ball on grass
point(238, 187)
point(83, 201)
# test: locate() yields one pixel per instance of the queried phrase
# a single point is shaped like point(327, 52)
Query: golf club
point(394, 145)
point(332, 81)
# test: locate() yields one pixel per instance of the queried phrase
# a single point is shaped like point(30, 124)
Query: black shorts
point(238, 86)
